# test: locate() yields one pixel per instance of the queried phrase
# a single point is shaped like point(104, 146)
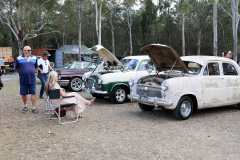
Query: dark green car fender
point(110, 86)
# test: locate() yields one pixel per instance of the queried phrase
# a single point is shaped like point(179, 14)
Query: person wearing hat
point(227, 54)
point(43, 66)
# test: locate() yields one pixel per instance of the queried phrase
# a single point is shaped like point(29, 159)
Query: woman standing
point(52, 84)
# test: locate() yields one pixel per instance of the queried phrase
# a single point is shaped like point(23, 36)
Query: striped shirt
point(26, 69)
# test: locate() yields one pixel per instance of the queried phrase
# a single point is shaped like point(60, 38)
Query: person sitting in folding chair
point(52, 84)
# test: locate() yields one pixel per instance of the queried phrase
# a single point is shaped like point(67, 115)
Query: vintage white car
point(113, 82)
point(186, 83)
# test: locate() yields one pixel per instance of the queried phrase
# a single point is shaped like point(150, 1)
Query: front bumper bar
point(63, 83)
point(153, 101)
point(95, 91)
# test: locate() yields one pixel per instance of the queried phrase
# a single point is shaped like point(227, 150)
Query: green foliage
point(152, 23)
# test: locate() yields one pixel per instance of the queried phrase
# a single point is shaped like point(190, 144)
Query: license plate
point(87, 91)
point(143, 98)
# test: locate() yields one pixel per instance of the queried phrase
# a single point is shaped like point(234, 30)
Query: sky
point(137, 6)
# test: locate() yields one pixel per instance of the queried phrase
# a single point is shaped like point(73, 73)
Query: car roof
point(204, 59)
point(138, 57)
point(80, 61)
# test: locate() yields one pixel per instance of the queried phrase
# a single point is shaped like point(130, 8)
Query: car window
point(91, 66)
point(193, 67)
point(229, 69)
point(145, 65)
point(79, 65)
point(68, 65)
point(130, 64)
point(212, 69)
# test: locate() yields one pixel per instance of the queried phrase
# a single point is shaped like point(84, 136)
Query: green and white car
point(113, 82)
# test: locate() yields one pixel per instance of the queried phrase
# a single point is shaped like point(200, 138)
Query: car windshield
point(193, 67)
point(68, 65)
point(80, 65)
point(91, 66)
point(129, 64)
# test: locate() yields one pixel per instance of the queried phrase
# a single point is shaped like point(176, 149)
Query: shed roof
point(74, 49)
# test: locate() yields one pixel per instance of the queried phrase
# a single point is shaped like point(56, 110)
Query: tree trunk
point(20, 41)
point(112, 31)
point(235, 21)
point(100, 25)
point(130, 29)
point(199, 42)
point(183, 35)
point(97, 29)
point(215, 39)
point(80, 28)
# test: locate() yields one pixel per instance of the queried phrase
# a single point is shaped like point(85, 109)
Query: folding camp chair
point(55, 94)
point(48, 110)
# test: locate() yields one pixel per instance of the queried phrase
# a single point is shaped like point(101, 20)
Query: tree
point(80, 8)
point(182, 7)
point(215, 40)
point(99, 20)
point(148, 20)
point(111, 14)
point(235, 21)
point(26, 19)
point(128, 9)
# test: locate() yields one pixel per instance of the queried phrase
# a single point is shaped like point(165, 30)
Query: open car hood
point(107, 56)
point(164, 57)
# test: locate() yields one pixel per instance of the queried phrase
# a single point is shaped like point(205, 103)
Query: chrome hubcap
point(120, 94)
point(76, 84)
point(185, 108)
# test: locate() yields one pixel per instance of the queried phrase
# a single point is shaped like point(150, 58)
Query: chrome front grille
point(149, 91)
point(89, 83)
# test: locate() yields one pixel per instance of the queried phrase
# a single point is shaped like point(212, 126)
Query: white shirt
point(45, 64)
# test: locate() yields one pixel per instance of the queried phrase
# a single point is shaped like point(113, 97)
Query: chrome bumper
point(93, 90)
point(63, 83)
point(153, 101)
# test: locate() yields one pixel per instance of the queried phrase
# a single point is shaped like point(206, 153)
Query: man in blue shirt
point(25, 65)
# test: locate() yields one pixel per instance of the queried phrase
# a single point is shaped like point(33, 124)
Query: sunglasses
point(29, 50)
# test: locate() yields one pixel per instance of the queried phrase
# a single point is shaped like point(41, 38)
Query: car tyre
point(119, 95)
point(183, 109)
point(145, 107)
point(75, 84)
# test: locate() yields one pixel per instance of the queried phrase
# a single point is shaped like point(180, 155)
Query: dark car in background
point(70, 75)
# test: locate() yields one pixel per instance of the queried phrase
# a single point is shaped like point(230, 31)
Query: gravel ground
point(110, 131)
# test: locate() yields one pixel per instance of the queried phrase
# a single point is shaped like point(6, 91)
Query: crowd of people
point(25, 65)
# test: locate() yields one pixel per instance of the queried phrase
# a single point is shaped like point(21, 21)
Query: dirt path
point(110, 131)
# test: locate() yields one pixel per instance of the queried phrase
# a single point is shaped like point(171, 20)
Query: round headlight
point(131, 82)
point(164, 86)
point(84, 77)
point(100, 80)
point(140, 81)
